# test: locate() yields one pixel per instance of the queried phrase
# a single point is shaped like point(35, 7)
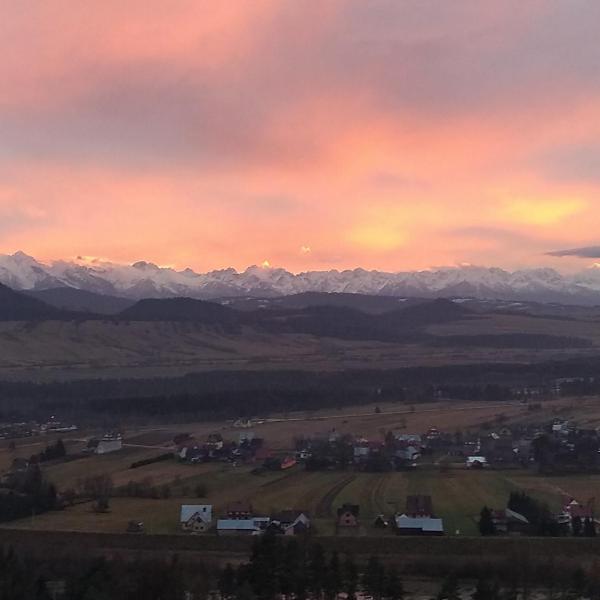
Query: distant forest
point(220, 394)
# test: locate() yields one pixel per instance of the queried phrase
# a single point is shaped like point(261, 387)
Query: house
point(476, 462)
point(560, 427)
point(215, 441)
point(251, 526)
point(414, 439)
point(347, 515)
point(419, 506)
point(510, 522)
point(406, 525)
point(109, 444)
point(573, 515)
point(245, 437)
point(195, 518)
point(290, 522)
point(408, 453)
point(240, 509)
point(192, 453)
point(380, 522)
point(361, 451)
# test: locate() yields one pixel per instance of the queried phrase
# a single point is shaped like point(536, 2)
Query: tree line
point(299, 569)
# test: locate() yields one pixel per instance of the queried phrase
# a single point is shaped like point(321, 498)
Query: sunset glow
point(386, 134)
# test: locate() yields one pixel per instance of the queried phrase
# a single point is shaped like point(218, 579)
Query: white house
point(476, 462)
point(196, 518)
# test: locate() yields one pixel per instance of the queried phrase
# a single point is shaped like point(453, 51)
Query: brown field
point(53, 350)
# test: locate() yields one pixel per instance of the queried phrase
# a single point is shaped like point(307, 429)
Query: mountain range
point(142, 279)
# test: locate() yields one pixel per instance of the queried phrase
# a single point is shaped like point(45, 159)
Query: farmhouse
point(239, 510)
point(476, 462)
point(252, 526)
point(195, 518)
point(575, 518)
point(110, 442)
point(510, 522)
point(347, 515)
point(406, 525)
point(290, 522)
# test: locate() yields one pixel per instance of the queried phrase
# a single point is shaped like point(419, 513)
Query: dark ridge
point(73, 299)
point(181, 309)
point(363, 302)
point(15, 306)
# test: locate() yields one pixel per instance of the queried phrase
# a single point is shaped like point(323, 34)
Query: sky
point(385, 134)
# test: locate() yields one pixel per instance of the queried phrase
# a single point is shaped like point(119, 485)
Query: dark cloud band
point(585, 252)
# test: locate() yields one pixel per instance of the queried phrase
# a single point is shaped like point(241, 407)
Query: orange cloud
point(389, 135)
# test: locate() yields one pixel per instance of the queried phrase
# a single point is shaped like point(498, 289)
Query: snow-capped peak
point(143, 279)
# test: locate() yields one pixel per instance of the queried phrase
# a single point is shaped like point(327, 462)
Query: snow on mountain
point(147, 280)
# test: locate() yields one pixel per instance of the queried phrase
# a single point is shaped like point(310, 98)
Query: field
point(458, 494)
point(51, 350)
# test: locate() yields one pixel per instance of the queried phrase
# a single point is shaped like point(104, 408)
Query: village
point(245, 478)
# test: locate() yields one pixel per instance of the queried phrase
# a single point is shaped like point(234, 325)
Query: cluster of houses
point(573, 519)
point(558, 445)
point(418, 518)
point(239, 518)
point(10, 431)
point(247, 449)
point(333, 451)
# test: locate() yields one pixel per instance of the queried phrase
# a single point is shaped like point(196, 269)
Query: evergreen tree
point(577, 525)
point(589, 528)
point(317, 570)
point(227, 581)
point(449, 589)
point(349, 577)
point(333, 579)
point(393, 588)
point(486, 522)
point(485, 589)
point(374, 577)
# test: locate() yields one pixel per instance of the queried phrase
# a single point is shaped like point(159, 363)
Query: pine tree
point(333, 580)
point(486, 522)
point(393, 588)
point(373, 577)
point(577, 525)
point(449, 589)
point(227, 581)
point(317, 570)
point(589, 528)
point(485, 590)
point(350, 577)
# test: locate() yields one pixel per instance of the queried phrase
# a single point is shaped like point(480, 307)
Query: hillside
point(181, 309)
point(73, 299)
point(20, 307)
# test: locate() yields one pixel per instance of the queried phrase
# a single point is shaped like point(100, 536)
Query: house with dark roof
point(510, 522)
point(240, 509)
point(347, 515)
point(290, 522)
point(419, 505)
